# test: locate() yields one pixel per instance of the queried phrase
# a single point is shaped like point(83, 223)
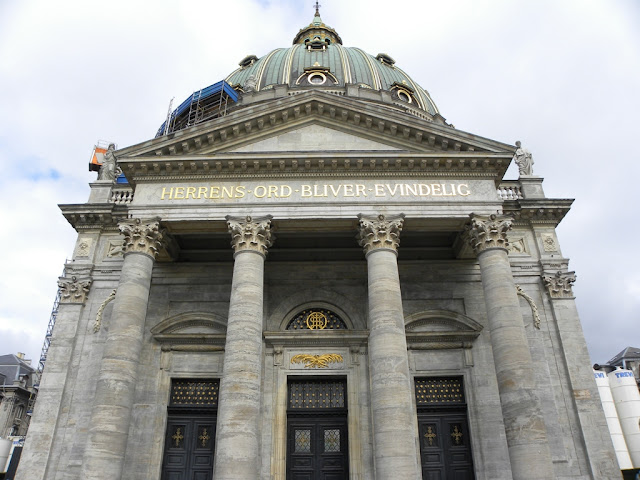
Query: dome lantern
point(317, 31)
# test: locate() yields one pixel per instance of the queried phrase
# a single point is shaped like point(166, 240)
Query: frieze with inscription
point(362, 191)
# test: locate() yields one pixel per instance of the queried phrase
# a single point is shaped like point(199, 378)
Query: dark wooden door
point(189, 446)
point(445, 449)
point(317, 448)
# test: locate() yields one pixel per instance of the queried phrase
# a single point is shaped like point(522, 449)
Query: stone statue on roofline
point(109, 168)
point(250, 84)
point(523, 159)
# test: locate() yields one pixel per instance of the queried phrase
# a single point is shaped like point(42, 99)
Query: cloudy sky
point(562, 76)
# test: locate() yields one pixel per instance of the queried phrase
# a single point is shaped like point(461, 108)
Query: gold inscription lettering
point(463, 189)
point(317, 194)
point(164, 192)
point(228, 192)
point(317, 191)
point(411, 188)
point(348, 190)
point(272, 190)
point(285, 191)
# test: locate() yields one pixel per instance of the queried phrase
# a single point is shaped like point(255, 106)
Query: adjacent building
point(308, 273)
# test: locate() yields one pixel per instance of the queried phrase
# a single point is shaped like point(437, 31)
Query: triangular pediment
point(306, 134)
point(313, 138)
point(368, 125)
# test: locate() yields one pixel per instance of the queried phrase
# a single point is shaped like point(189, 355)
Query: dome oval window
point(402, 95)
point(317, 78)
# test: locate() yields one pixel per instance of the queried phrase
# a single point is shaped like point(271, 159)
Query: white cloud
point(560, 76)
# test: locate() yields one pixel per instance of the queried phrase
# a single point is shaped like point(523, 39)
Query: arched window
point(316, 319)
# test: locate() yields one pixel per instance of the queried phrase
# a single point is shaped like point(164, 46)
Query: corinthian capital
point(560, 284)
point(73, 290)
point(250, 234)
point(489, 231)
point(379, 232)
point(142, 236)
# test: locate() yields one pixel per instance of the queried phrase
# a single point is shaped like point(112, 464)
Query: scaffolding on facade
point(205, 104)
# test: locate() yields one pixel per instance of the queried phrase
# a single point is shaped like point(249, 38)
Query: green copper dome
point(318, 59)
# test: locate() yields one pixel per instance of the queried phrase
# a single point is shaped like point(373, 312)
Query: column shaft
point(113, 402)
point(391, 395)
point(524, 421)
point(237, 443)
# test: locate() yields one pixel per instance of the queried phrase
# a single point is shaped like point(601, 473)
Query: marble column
point(393, 415)
point(113, 401)
point(521, 408)
point(36, 458)
point(238, 432)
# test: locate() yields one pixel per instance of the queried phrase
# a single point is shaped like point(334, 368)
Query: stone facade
point(324, 201)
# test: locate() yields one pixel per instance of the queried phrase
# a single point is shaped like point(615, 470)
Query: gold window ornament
point(317, 361)
point(316, 319)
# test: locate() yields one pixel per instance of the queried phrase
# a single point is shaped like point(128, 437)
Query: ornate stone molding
point(534, 308)
point(379, 232)
point(142, 237)
point(103, 305)
point(73, 290)
point(489, 232)
point(560, 284)
point(250, 234)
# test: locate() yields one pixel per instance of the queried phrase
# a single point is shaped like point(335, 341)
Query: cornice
point(309, 338)
point(325, 164)
point(94, 216)
point(538, 212)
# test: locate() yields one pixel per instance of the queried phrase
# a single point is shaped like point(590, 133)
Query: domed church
point(307, 273)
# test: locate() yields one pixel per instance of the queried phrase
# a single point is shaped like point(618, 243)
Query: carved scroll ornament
point(379, 232)
point(250, 234)
point(142, 237)
point(98, 322)
point(560, 285)
point(534, 308)
point(489, 231)
point(73, 290)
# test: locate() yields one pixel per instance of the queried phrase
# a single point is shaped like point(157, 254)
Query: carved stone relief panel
point(549, 242)
point(518, 246)
point(115, 249)
point(84, 247)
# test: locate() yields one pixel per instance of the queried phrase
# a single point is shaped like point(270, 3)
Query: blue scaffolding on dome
point(210, 102)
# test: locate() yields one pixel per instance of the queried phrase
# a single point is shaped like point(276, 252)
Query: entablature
point(320, 164)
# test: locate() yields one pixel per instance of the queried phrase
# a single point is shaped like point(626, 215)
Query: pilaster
point(238, 430)
point(521, 408)
point(584, 392)
point(36, 458)
point(392, 411)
